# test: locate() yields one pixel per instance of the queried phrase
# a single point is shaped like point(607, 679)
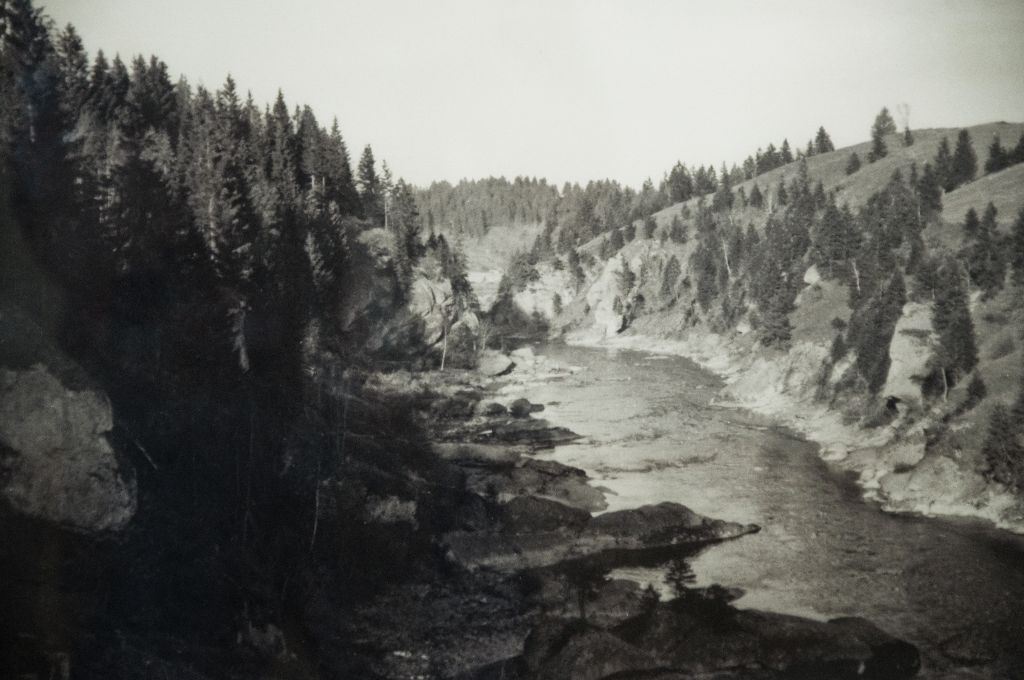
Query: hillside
point(868, 373)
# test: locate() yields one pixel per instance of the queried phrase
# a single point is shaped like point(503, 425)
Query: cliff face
point(893, 439)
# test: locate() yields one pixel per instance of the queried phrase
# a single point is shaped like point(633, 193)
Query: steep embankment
point(914, 449)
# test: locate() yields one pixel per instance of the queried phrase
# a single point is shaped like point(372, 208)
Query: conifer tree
point(984, 254)
point(971, 225)
point(756, 198)
point(785, 154)
point(998, 158)
point(884, 125)
point(370, 192)
point(853, 164)
point(965, 161)
point(929, 192)
point(944, 166)
point(1003, 450)
point(822, 142)
point(1017, 249)
point(957, 353)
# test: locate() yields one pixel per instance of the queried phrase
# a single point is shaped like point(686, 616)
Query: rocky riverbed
point(522, 588)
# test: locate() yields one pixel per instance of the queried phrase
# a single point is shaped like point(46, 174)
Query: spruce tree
point(853, 164)
point(884, 125)
point(822, 142)
point(998, 158)
point(971, 225)
point(957, 354)
point(785, 154)
point(756, 198)
point(1016, 249)
point(370, 192)
point(1003, 451)
point(929, 192)
point(965, 161)
point(944, 166)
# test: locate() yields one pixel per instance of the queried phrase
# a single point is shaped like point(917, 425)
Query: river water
point(652, 433)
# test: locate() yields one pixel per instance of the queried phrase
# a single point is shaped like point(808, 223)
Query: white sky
point(585, 89)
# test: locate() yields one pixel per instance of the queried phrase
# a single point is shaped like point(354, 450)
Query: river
point(652, 432)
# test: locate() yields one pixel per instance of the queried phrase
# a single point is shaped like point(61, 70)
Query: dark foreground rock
point(686, 640)
point(662, 526)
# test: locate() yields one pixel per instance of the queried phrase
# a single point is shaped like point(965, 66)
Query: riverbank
point(892, 465)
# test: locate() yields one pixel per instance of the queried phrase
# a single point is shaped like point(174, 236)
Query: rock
point(573, 651)
point(522, 408)
point(390, 510)
point(493, 364)
point(536, 433)
point(970, 647)
point(523, 355)
point(659, 526)
point(672, 526)
point(492, 408)
point(487, 455)
point(526, 514)
point(59, 465)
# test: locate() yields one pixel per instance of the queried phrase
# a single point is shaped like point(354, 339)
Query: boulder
point(56, 463)
point(574, 651)
point(492, 363)
point(522, 408)
point(492, 408)
point(526, 514)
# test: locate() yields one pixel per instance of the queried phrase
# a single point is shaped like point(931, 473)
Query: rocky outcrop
point(56, 463)
point(648, 528)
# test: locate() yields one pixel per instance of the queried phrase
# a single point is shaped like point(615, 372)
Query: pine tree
point(998, 158)
point(965, 161)
point(822, 142)
point(944, 166)
point(1016, 249)
point(370, 195)
point(957, 353)
point(756, 198)
point(785, 154)
point(853, 164)
point(984, 254)
point(884, 125)
point(74, 69)
point(929, 192)
point(1003, 451)
point(971, 225)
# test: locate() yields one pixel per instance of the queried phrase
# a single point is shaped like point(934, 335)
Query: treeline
point(471, 207)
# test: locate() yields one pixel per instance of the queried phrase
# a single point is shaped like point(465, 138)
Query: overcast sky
point(586, 89)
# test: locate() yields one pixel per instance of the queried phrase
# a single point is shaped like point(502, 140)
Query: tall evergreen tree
point(1017, 249)
point(998, 158)
point(370, 192)
point(957, 354)
point(965, 161)
point(884, 125)
point(944, 166)
point(822, 142)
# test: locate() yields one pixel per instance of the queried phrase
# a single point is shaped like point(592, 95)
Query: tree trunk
point(856, 274)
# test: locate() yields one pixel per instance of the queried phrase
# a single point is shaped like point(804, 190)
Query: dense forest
point(219, 271)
